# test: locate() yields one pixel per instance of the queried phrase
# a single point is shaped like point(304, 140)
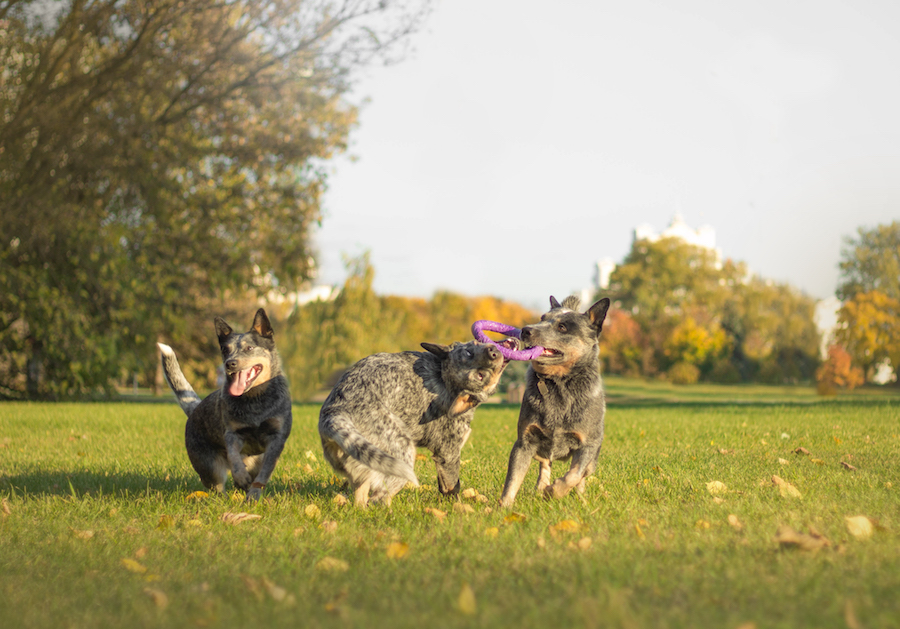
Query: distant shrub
point(724, 371)
point(837, 372)
point(683, 373)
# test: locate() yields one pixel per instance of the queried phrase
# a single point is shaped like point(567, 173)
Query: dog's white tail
point(172, 370)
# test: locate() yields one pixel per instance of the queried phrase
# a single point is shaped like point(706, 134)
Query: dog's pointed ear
point(553, 303)
point(597, 313)
point(441, 351)
point(261, 324)
point(222, 329)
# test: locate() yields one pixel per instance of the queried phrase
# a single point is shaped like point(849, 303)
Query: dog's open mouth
point(243, 380)
point(549, 352)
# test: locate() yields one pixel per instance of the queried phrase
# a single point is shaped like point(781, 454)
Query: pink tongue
point(239, 385)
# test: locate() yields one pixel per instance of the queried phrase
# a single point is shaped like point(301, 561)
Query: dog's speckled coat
point(386, 405)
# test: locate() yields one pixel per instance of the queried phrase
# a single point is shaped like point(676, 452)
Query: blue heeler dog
point(386, 405)
point(243, 426)
point(563, 408)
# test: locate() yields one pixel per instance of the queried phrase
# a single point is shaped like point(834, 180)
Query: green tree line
point(160, 159)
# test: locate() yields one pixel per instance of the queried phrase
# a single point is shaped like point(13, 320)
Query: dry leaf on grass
point(329, 526)
point(785, 488)
point(466, 600)
point(397, 550)
point(716, 487)
point(583, 544)
point(491, 531)
point(734, 522)
point(331, 564)
point(236, 518)
point(340, 500)
point(564, 526)
point(783, 462)
point(158, 596)
point(847, 466)
point(859, 526)
point(133, 566)
point(801, 450)
point(197, 495)
point(86, 534)
point(787, 536)
point(312, 511)
point(437, 513)
point(165, 522)
point(514, 517)
point(469, 493)
point(460, 507)
point(4, 507)
point(278, 593)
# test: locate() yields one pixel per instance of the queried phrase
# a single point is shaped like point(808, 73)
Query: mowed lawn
point(102, 525)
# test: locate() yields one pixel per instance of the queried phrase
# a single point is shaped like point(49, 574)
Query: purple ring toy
point(510, 354)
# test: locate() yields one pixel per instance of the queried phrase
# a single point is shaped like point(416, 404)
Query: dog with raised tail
point(243, 426)
point(563, 409)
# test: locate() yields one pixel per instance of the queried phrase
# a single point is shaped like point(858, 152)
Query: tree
point(869, 329)
point(871, 262)
point(837, 372)
point(158, 158)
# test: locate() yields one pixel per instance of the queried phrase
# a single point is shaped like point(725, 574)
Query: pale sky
point(522, 141)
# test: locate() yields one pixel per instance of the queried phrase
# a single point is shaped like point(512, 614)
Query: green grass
point(90, 485)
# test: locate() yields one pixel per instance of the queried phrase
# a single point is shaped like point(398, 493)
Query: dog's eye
point(470, 353)
point(561, 327)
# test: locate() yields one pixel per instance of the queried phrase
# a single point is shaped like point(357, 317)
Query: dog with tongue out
point(243, 426)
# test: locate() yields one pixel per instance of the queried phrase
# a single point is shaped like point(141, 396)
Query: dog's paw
point(253, 495)
point(241, 480)
point(557, 490)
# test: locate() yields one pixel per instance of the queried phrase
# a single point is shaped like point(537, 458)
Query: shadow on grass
point(131, 484)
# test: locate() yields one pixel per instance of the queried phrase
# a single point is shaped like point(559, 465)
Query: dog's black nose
point(493, 353)
point(526, 332)
point(230, 364)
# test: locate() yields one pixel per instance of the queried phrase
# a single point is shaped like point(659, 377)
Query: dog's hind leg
point(361, 493)
point(519, 459)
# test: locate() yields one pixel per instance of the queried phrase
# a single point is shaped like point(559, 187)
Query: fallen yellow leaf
point(437, 513)
point(132, 566)
point(340, 500)
point(716, 487)
point(847, 466)
point(165, 522)
point(331, 564)
point(469, 493)
point(397, 550)
point(514, 517)
point(859, 526)
point(785, 488)
point(4, 507)
point(197, 495)
point(277, 592)
point(565, 526)
point(734, 522)
point(491, 531)
point(466, 600)
point(329, 526)
point(312, 511)
point(87, 534)
point(460, 507)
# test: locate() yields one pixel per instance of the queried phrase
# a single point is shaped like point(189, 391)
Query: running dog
point(386, 405)
point(563, 407)
point(243, 426)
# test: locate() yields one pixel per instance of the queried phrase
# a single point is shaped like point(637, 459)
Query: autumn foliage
point(838, 372)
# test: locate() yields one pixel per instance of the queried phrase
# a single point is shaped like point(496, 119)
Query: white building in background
point(704, 237)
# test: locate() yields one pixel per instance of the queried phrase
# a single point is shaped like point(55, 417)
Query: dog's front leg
point(447, 474)
point(519, 459)
point(239, 474)
point(273, 452)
